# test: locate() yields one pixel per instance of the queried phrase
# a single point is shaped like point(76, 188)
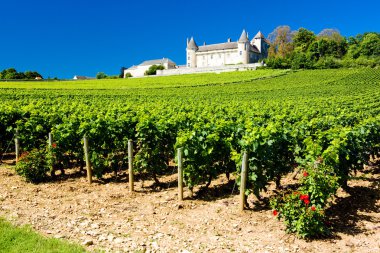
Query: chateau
point(229, 56)
point(229, 53)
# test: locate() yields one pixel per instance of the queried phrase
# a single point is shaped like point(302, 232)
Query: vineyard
point(324, 124)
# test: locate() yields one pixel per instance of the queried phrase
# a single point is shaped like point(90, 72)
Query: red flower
point(54, 145)
point(305, 174)
point(313, 208)
point(275, 212)
point(305, 199)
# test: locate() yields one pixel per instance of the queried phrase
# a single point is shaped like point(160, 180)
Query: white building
point(229, 53)
point(83, 78)
point(139, 70)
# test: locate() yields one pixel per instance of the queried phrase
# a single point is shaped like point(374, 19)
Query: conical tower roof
point(192, 45)
point(243, 37)
point(259, 35)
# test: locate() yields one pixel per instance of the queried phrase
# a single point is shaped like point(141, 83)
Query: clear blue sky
point(83, 37)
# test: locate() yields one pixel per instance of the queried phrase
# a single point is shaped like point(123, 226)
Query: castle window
point(188, 57)
point(211, 57)
point(240, 52)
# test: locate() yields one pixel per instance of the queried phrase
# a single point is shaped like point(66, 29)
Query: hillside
point(323, 124)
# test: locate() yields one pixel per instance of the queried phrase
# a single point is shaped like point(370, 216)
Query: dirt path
point(106, 216)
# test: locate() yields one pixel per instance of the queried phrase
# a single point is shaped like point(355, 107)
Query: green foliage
point(207, 152)
point(269, 151)
point(302, 39)
point(282, 119)
point(278, 63)
point(327, 50)
point(32, 75)
point(303, 210)
point(153, 70)
point(11, 74)
point(127, 75)
point(302, 61)
point(101, 75)
point(155, 143)
point(304, 220)
point(24, 239)
point(34, 165)
point(320, 182)
point(112, 77)
point(328, 62)
point(370, 45)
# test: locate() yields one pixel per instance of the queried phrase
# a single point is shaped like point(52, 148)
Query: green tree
point(32, 75)
point(301, 60)
point(303, 38)
point(370, 46)
point(10, 73)
point(101, 75)
point(153, 70)
point(331, 34)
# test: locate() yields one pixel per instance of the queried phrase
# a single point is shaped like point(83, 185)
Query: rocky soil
point(105, 216)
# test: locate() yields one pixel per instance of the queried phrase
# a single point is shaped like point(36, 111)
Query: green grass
point(148, 82)
point(24, 239)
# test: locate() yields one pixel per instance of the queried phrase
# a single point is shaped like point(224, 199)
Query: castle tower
point(261, 44)
point(243, 47)
point(192, 48)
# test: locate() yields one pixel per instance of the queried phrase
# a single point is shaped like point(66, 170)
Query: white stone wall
point(228, 68)
point(139, 71)
point(217, 58)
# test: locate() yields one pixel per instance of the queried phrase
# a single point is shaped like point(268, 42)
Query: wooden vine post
point(130, 165)
point(50, 140)
point(17, 146)
point(50, 149)
point(180, 176)
point(243, 181)
point(87, 156)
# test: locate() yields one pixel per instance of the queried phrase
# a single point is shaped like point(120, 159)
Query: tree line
point(13, 74)
point(328, 49)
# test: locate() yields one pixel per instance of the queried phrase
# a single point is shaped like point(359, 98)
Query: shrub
point(300, 217)
point(301, 61)
point(101, 75)
point(303, 210)
point(153, 70)
point(278, 63)
point(328, 62)
point(127, 75)
point(34, 165)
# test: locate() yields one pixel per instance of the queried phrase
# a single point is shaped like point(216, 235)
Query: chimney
point(229, 40)
point(204, 43)
point(187, 41)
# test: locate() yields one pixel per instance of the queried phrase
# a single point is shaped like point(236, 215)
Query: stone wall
point(218, 58)
point(227, 68)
